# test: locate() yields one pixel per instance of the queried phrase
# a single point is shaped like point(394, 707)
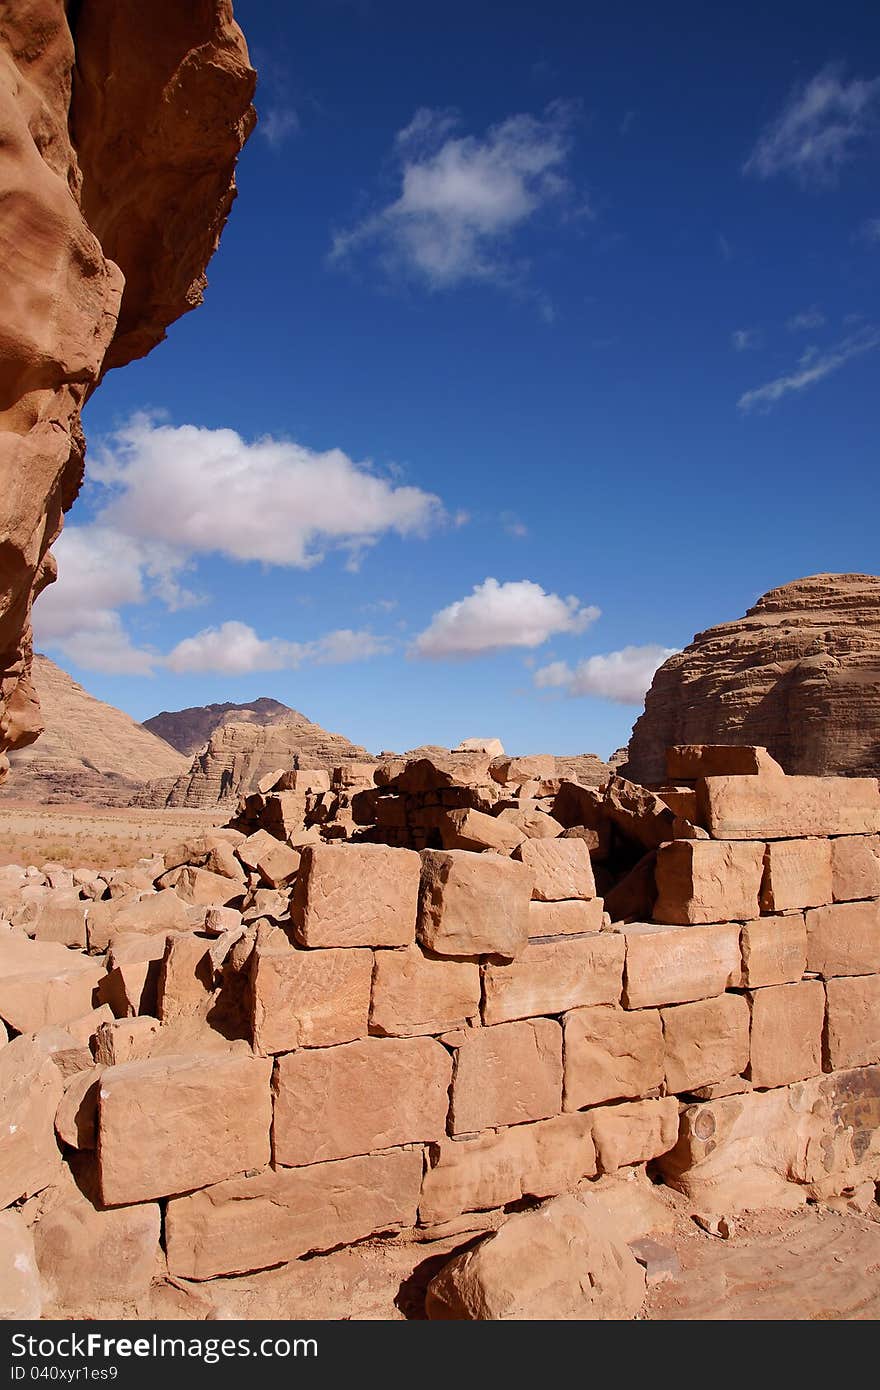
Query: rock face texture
point(799, 674)
point(238, 755)
point(88, 751)
point(120, 124)
point(188, 730)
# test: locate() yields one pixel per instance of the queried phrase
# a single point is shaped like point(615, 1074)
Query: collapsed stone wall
point(255, 1050)
point(121, 124)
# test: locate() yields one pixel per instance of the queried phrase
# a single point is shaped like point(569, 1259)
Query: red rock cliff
point(799, 674)
point(120, 124)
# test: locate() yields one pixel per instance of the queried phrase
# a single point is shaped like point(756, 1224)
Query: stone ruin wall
point(267, 1051)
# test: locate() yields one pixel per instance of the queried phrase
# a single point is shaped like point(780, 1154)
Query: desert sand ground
point(94, 836)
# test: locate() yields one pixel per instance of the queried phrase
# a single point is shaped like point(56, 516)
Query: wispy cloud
point(745, 339)
point(627, 122)
point(463, 198)
point(277, 125)
point(807, 319)
point(818, 130)
point(813, 366)
point(494, 616)
point(513, 526)
point(622, 676)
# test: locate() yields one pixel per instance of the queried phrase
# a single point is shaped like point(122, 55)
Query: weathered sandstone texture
point(121, 124)
point(799, 675)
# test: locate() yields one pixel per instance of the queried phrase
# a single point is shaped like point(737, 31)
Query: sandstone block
point(506, 1075)
point(611, 1054)
point(255, 846)
point(844, 939)
point(356, 895)
point(797, 874)
point(475, 831)
point(277, 864)
point(160, 913)
point(309, 998)
point(21, 1296)
point(705, 881)
point(853, 1032)
point(634, 1132)
point(692, 760)
point(377, 1093)
point(536, 767)
point(275, 1216)
point(782, 808)
point(491, 1170)
point(571, 917)
point(552, 976)
point(676, 965)
point(43, 983)
point(472, 904)
point(535, 823)
point(186, 978)
point(77, 1114)
point(705, 1041)
point(562, 868)
point(31, 1088)
point(774, 950)
point(786, 1042)
point(171, 1124)
point(417, 993)
point(558, 1262)
point(131, 988)
point(66, 925)
point(88, 1257)
point(855, 867)
point(203, 886)
point(125, 1040)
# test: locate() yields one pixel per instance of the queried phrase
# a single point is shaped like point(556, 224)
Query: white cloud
point(277, 124)
point(234, 648)
point(102, 644)
point(812, 366)
point(515, 614)
point(807, 319)
point(744, 339)
point(513, 526)
point(462, 197)
point(818, 129)
point(621, 676)
point(203, 490)
point(99, 571)
point(167, 495)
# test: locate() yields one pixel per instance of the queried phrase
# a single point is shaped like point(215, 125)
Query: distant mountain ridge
point(90, 751)
point(190, 729)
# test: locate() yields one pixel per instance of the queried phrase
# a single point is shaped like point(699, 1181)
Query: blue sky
point(539, 338)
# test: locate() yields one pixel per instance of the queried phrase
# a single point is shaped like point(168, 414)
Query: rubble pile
point(270, 1044)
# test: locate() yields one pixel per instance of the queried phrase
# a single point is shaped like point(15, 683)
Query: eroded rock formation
point(238, 755)
point(189, 729)
point(120, 126)
point(799, 674)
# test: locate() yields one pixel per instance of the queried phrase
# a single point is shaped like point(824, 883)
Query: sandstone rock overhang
point(115, 193)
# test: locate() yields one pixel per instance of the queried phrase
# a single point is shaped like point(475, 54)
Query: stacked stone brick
point(271, 1049)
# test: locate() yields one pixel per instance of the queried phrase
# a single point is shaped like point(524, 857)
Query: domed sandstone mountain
point(798, 675)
